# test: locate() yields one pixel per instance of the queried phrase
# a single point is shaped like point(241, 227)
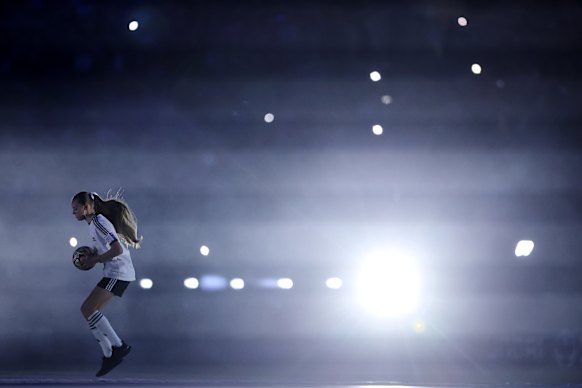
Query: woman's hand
point(88, 262)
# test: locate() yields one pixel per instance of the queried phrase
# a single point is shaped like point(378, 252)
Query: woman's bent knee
point(87, 309)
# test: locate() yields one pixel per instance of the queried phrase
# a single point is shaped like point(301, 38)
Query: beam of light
point(388, 284)
point(524, 248)
point(133, 25)
point(191, 283)
point(267, 283)
point(212, 282)
point(73, 242)
point(146, 284)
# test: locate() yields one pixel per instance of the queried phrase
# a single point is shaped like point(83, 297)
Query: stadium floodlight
point(388, 284)
point(524, 248)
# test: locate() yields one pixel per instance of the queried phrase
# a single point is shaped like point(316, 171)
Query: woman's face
point(79, 211)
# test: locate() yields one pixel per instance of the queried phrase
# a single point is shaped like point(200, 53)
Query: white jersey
point(103, 234)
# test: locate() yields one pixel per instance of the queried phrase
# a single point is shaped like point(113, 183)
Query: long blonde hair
point(117, 211)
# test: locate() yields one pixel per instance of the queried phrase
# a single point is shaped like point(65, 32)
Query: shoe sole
point(120, 359)
point(101, 374)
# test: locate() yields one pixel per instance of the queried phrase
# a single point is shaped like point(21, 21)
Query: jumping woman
point(112, 228)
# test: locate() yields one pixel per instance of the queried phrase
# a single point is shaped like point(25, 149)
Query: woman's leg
point(98, 323)
point(96, 300)
point(114, 349)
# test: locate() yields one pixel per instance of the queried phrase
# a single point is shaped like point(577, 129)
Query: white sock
point(99, 336)
point(104, 326)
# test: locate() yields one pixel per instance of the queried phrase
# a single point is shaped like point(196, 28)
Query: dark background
point(467, 166)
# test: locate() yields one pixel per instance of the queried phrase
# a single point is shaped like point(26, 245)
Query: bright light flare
point(462, 21)
point(133, 25)
point(524, 248)
point(389, 285)
point(204, 250)
point(334, 283)
point(386, 99)
point(237, 284)
point(375, 76)
point(285, 283)
point(191, 283)
point(73, 242)
point(146, 284)
point(269, 118)
point(212, 282)
point(419, 327)
point(377, 130)
point(476, 68)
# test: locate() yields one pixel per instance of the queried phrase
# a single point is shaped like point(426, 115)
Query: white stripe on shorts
point(111, 284)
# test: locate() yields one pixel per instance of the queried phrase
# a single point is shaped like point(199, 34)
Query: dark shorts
point(115, 286)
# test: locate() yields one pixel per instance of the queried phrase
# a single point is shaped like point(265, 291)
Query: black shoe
point(108, 364)
point(120, 351)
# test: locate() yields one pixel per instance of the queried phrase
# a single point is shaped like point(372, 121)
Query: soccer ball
point(80, 252)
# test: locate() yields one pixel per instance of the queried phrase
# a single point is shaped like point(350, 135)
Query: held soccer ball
point(80, 252)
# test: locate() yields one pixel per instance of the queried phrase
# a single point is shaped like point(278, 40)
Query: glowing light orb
point(386, 100)
point(146, 284)
point(524, 248)
point(269, 118)
point(334, 283)
point(237, 284)
point(285, 283)
point(389, 284)
point(375, 76)
point(191, 283)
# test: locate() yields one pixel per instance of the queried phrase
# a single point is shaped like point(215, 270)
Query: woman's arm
point(115, 250)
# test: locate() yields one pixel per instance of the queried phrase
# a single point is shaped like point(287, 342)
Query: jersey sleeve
point(105, 230)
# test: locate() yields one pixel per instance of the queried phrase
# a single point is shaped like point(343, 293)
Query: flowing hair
point(114, 208)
